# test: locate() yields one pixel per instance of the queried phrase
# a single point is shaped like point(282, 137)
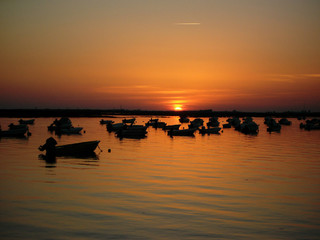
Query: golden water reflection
point(227, 186)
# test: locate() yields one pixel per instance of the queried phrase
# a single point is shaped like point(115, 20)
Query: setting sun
point(177, 108)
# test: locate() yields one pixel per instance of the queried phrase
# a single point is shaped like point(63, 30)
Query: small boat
point(152, 122)
point(102, 121)
point(284, 121)
point(156, 124)
point(19, 132)
point(131, 120)
point(248, 128)
point(71, 130)
point(273, 126)
point(115, 126)
point(182, 132)
point(81, 148)
point(183, 119)
point(198, 122)
point(235, 121)
point(77, 148)
point(135, 131)
point(267, 120)
point(213, 122)
point(63, 122)
point(30, 121)
point(313, 124)
point(214, 130)
point(173, 127)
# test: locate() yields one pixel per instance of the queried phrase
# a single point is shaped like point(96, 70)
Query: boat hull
point(19, 132)
point(30, 121)
point(82, 148)
point(183, 132)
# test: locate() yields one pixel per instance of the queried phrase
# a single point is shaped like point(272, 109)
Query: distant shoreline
point(105, 113)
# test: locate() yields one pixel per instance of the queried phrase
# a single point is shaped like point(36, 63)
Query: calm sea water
point(227, 186)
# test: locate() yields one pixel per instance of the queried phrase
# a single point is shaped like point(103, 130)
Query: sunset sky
point(248, 55)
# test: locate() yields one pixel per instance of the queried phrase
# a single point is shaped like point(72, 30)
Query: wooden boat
point(182, 132)
point(74, 149)
point(30, 121)
point(214, 130)
point(19, 132)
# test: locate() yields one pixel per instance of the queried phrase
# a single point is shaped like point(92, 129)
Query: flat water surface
point(227, 186)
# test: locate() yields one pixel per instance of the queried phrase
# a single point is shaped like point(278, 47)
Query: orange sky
point(247, 55)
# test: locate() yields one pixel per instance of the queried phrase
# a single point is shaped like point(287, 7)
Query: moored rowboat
point(81, 148)
point(77, 148)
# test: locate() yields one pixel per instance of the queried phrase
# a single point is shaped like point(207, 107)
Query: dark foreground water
point(228, 186)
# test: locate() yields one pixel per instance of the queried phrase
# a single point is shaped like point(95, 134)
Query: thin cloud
point(290, 78)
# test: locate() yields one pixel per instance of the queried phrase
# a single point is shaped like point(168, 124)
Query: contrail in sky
point(187, 23)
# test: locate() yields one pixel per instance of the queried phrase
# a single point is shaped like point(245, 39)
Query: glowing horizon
point(248, 55)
